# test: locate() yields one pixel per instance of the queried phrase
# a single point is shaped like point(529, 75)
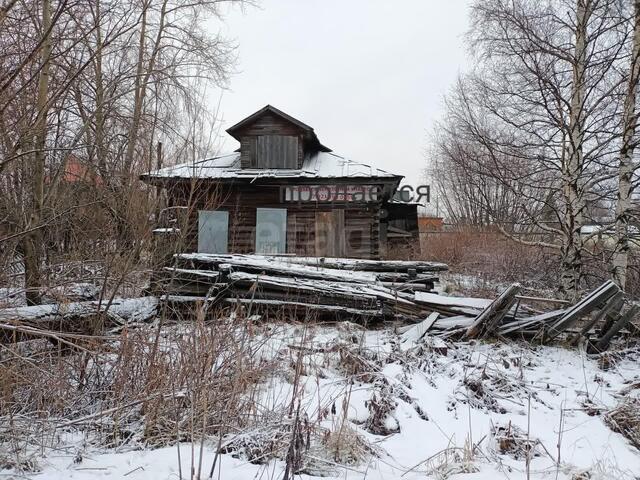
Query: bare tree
point(539, 113)
point(93, 86)
point(32, 240)
point(628, 167)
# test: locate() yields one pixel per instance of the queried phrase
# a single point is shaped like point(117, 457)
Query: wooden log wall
point(361, 229)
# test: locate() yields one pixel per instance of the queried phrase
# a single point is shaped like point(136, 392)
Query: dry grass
point(172, 383)
point(625, 419)
point(150, 387)
point(489, 259)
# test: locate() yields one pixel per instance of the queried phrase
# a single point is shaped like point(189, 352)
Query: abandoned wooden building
point(284, 192)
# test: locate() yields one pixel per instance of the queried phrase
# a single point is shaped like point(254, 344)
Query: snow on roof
point(315, 165)
point(606, 229)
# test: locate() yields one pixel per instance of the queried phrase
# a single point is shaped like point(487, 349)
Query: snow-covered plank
point(272, 265)
point(585, 306)
point(359, 264)
point(526, 322)
point(123, 307)
point(436, 299)
point(326, 286)
point(196, 273)
point(491, 317)
point(418, 331)
point(444, 323)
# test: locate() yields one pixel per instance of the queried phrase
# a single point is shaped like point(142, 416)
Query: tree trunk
point(627, 166)
point(101, 154)
point(32, 247)
point(573, 195)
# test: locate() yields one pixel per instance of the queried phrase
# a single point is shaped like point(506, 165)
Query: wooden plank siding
point(267, 125)
point(276, 151)
point(361, 223)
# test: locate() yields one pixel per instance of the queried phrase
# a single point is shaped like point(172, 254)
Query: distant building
point(77, 171)
point(284, 192)
point(430, 224)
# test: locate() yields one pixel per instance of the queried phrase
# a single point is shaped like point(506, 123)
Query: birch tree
point(628, 166)
point(540, 110)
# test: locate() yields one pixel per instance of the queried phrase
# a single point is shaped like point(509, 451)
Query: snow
point(606, 229)
point(132, 309)
point(259, 261)
point(316, 165)
point(542, 390)
point(12, 297)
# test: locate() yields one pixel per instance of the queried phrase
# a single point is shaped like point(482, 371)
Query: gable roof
point(315, 165)
point(310, 135)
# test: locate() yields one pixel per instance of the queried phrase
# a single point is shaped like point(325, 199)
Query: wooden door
point(330, 234)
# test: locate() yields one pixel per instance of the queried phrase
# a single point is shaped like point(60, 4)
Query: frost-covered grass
point(337, 401)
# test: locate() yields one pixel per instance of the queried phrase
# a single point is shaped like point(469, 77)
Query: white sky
point(367, 75)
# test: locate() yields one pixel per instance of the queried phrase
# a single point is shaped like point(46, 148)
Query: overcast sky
point(367, 75)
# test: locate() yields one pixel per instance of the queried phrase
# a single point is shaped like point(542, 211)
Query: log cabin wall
point(361, 222)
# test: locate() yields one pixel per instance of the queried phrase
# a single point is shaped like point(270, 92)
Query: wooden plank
point(356, 292)
point(357, 264)
point(613, 304)
point(603, 342)
point(528, 322)
point(489, 320)
point(585, 306)
point(373, 313)
point(418, 331)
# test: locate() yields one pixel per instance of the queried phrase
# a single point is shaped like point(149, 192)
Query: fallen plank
point(323, 286)
point(452, 323)
point(602, 344)
point(25, 323)
point(357, 264)
point(585, 306)
point(298, 271)
point(525, 323)
point(488, 321)
point(614, 304)
point(208, 274)
point(372, 313)
point(272, 266)
point(303, 284)
point(405, 277)
point(133, 309)
point(452, 305)
point(418, 331)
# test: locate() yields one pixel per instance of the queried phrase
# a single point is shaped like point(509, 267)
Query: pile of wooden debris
point(370, 291)
point(328, 287)
point(366, 291)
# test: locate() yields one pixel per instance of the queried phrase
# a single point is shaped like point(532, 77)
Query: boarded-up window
point(276, 151)
point(213, 231)
point(271, 230)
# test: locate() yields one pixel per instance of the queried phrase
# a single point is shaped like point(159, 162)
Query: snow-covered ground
point(375, 407)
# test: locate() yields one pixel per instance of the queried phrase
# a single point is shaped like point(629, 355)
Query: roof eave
point(267, 108)
point(156, 180)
